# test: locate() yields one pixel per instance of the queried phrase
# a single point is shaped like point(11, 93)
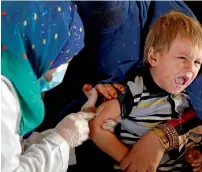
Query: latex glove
point(89, 106)
point(74, 128)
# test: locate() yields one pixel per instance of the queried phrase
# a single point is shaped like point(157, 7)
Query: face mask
point(57, 78)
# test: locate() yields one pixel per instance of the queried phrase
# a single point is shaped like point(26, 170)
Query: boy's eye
point(197, 62)
point(183, 58)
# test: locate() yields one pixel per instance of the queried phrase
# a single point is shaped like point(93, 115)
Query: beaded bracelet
point(171, 134)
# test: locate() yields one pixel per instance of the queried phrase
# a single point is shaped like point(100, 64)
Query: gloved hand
point(92, 98)
point(74, 127)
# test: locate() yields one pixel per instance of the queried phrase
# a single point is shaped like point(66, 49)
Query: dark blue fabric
point(120, 29)
point(195, 93)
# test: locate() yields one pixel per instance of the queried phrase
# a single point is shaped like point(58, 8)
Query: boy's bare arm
point(104, 139)
point(108, 110)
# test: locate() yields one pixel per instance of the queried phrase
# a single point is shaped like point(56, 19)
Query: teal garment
point(36, 36)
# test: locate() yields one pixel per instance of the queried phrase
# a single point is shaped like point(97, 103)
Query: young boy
point(172, 58)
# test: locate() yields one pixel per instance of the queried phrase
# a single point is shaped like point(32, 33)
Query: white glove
point(92, 98)
point(74, 128)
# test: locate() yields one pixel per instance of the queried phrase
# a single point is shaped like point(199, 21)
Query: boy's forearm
point(109, 143)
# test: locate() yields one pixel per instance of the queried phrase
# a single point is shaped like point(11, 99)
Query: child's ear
point(152, 57)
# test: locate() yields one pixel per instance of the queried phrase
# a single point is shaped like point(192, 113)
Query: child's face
point(175, 69)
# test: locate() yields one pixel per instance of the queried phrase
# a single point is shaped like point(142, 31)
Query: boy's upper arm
point(108, 110)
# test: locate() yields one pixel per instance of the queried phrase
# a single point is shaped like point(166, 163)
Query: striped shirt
point(144, 105)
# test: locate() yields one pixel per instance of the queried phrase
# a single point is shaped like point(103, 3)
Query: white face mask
point(57, 78)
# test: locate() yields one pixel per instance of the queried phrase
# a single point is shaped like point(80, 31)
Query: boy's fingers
point(102, 90)
point(120, 87)
point(111, 90)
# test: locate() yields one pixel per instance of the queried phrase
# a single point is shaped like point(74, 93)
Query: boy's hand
point(109, 91)
point(194, 157)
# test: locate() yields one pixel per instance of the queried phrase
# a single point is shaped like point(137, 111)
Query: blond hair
point(168, 27)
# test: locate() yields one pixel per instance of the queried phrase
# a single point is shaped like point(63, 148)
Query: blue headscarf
point(36, 37)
